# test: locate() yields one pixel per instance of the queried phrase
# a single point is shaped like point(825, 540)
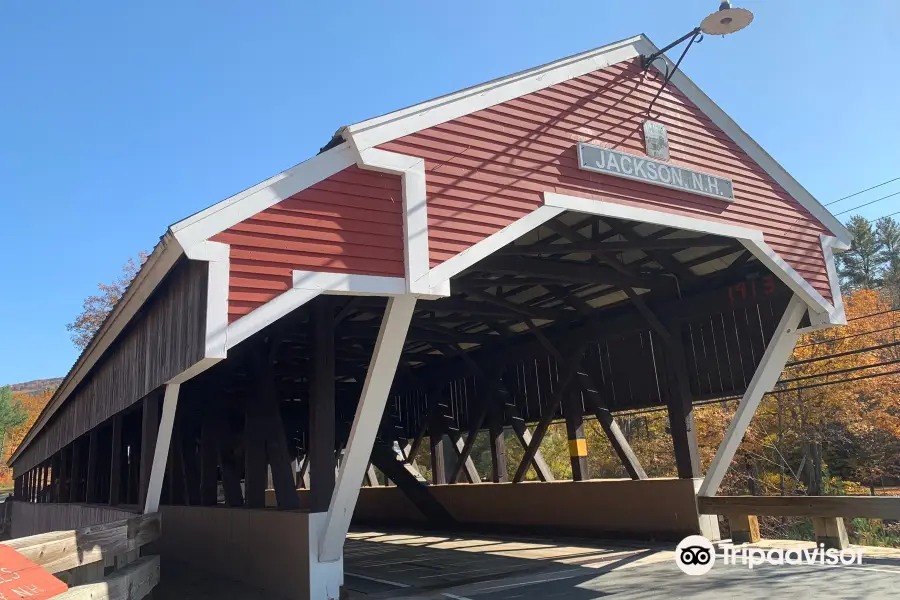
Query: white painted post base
point(709, 524)
point(325, 578)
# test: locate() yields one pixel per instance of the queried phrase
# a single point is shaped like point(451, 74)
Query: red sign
point(21, 578)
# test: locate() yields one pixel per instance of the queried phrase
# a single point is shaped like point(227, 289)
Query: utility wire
point(863, 191)
point(841, 354)
point(847, 337)
point(840, 371)
point(868, 203)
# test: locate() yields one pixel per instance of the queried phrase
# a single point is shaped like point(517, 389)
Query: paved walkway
point(435, 567)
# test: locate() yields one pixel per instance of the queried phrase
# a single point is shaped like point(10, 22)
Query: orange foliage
point(33, 405)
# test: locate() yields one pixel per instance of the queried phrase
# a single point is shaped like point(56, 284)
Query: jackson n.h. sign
point(629, 166)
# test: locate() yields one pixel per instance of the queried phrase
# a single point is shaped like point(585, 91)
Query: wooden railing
point(827, 513)
point(81, 556)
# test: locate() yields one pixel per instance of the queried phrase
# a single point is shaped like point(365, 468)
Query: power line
point(841, 354)
point(874, 314)
point(840, 371)
point(863, 191)
point(868, 203)
point(641, 411)
point(846, 380)
point(847, 337)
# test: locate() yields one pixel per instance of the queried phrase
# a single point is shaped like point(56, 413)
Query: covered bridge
point(535, 248)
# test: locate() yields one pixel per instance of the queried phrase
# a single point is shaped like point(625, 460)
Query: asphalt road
point(384, 565)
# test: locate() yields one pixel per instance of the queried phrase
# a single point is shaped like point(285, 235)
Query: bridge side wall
point(265, 549)
point(32, 519)
point(659, 508)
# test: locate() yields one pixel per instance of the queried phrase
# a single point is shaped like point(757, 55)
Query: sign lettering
point(654, 172)
point(21, 578)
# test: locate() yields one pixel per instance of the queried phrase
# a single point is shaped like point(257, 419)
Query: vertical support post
point(149, 433)
point(64, 475)
point(498, 449)
point(177, 488)
point(254, 456)
point(48, 474)
point(75, 486)
point(574, 413)
point(115, 462)
point(372, 476)
point(90, 480)
point(770, 367)
point(321, 411)
point(379, 378)
point(681, 407)
point(231, 481)
point(209, 460)
point(161, 449)
point(438, 460)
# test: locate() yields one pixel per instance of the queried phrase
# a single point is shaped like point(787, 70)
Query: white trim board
point(411, 170)
point(307, 285)
point(229, 212)
point(217, 255)
point(391, 126)
point(438, 277)
point(752, 239)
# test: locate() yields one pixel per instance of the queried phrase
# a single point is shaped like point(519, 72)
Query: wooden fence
point(81, 556)
point(827, 513)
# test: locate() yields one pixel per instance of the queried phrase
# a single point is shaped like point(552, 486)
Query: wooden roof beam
point(568, 272)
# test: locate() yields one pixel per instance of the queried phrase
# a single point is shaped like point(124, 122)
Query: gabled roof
point(379, 130)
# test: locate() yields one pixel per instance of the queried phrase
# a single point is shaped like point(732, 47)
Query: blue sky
point(120, 118)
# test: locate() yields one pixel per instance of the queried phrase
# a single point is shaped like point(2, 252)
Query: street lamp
point(724, 21)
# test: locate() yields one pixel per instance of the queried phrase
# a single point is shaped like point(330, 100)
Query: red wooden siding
point(348, 223)
point(490, 168)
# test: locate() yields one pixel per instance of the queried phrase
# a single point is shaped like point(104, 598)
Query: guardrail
point(827, 513)
point(86, 553)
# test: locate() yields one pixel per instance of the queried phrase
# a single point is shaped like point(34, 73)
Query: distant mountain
point(36, 386)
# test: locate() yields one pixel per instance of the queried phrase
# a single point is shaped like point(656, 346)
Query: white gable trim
point(411, 170)
point(218, 257)
point(748, 145)
point(227, 213)
point(452, 106)
point(752, 239)
point(307, 285)
point(438, 278)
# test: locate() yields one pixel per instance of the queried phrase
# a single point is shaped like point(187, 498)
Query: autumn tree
point(12, 415)
point(96, 307)
point(31, 406)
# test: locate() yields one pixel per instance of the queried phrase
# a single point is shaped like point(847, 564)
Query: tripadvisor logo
point(695, 555)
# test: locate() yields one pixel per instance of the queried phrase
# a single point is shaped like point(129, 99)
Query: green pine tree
point(859, 267)
point(887, 232)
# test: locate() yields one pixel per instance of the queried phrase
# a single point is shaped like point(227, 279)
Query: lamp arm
point(646, 61)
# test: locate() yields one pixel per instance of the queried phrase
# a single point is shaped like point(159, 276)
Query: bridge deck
point(415, 566)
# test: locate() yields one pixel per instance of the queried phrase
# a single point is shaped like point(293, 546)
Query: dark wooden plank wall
point(164, 339)
point(722, 349)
